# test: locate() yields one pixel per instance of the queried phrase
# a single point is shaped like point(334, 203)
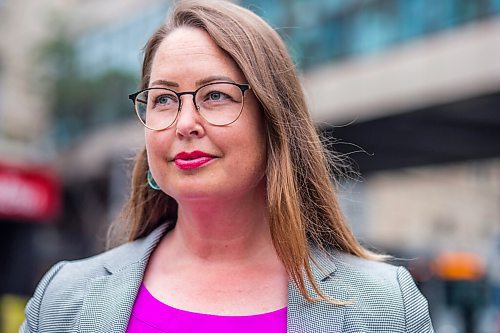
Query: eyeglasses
point(219, 103)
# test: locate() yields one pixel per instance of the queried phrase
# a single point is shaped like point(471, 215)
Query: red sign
point(28, 194)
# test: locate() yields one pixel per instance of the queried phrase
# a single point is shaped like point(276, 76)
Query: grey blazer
point(97, 294)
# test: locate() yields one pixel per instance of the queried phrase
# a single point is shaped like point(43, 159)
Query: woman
point(233, 225)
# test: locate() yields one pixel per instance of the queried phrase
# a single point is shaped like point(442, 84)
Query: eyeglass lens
point(218, 103)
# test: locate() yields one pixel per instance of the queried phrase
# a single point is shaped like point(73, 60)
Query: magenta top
point(150, 315)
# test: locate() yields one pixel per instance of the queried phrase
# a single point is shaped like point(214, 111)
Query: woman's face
point(235, 160)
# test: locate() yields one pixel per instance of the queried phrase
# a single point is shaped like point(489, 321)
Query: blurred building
point(411, 91)
point(55, 162)
point(408, 89)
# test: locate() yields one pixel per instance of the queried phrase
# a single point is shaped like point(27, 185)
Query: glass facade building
point(323, 30)
point(118, 46)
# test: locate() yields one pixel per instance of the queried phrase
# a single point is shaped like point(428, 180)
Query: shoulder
point(365, 296)
point(73, 275)
point(370, 284)
point(63, 288)
point(385, 293)
point(61, 292)
point(354, 269)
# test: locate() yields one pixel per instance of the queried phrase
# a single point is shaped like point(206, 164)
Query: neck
point(225, 230)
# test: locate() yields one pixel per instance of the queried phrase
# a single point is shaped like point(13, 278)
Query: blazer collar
point(109, 299)
point(134, 252)
point(319, 316)
point(322, 264)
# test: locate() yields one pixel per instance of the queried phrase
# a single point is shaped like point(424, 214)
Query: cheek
point(254, 150)
point(156, 144)
point(150, 143)
point(258, 140)
point(149, 147)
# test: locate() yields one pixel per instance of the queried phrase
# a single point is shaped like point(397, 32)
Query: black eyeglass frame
point(242, 86)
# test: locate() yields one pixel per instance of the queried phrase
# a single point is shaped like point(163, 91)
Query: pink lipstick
point(192, 160)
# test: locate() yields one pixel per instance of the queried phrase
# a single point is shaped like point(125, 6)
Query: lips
point(192, 160)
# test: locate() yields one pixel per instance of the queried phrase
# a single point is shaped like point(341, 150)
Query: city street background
point(408, 91)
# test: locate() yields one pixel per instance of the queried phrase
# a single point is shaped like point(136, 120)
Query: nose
point(189, 121)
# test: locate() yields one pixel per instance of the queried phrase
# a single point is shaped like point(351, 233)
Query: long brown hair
point(302, 206)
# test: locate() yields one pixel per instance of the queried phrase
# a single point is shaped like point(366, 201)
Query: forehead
point(190, 53)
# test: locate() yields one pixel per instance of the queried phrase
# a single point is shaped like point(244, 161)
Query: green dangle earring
point(151, 181)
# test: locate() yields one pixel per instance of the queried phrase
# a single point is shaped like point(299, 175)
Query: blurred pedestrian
point(233, 224)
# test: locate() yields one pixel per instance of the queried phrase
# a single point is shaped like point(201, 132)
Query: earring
point(151, 181)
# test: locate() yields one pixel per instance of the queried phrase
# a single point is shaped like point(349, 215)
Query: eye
point(217, 96)
point(165, 99)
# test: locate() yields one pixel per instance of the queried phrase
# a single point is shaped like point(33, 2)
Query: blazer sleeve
point(417, 316)
point(32, 311)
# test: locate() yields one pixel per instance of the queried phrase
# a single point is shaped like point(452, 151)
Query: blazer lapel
point(320, 316)
point(109, 299)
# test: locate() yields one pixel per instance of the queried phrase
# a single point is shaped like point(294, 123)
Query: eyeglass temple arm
point(133, 99)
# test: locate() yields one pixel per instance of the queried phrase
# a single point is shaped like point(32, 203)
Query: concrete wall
point(451, 65)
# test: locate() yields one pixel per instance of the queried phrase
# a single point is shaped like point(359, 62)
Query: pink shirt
point(149, 315)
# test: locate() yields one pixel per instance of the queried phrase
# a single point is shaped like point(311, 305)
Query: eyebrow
point(164, 83)
point(209, 79)
point(213, 78)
